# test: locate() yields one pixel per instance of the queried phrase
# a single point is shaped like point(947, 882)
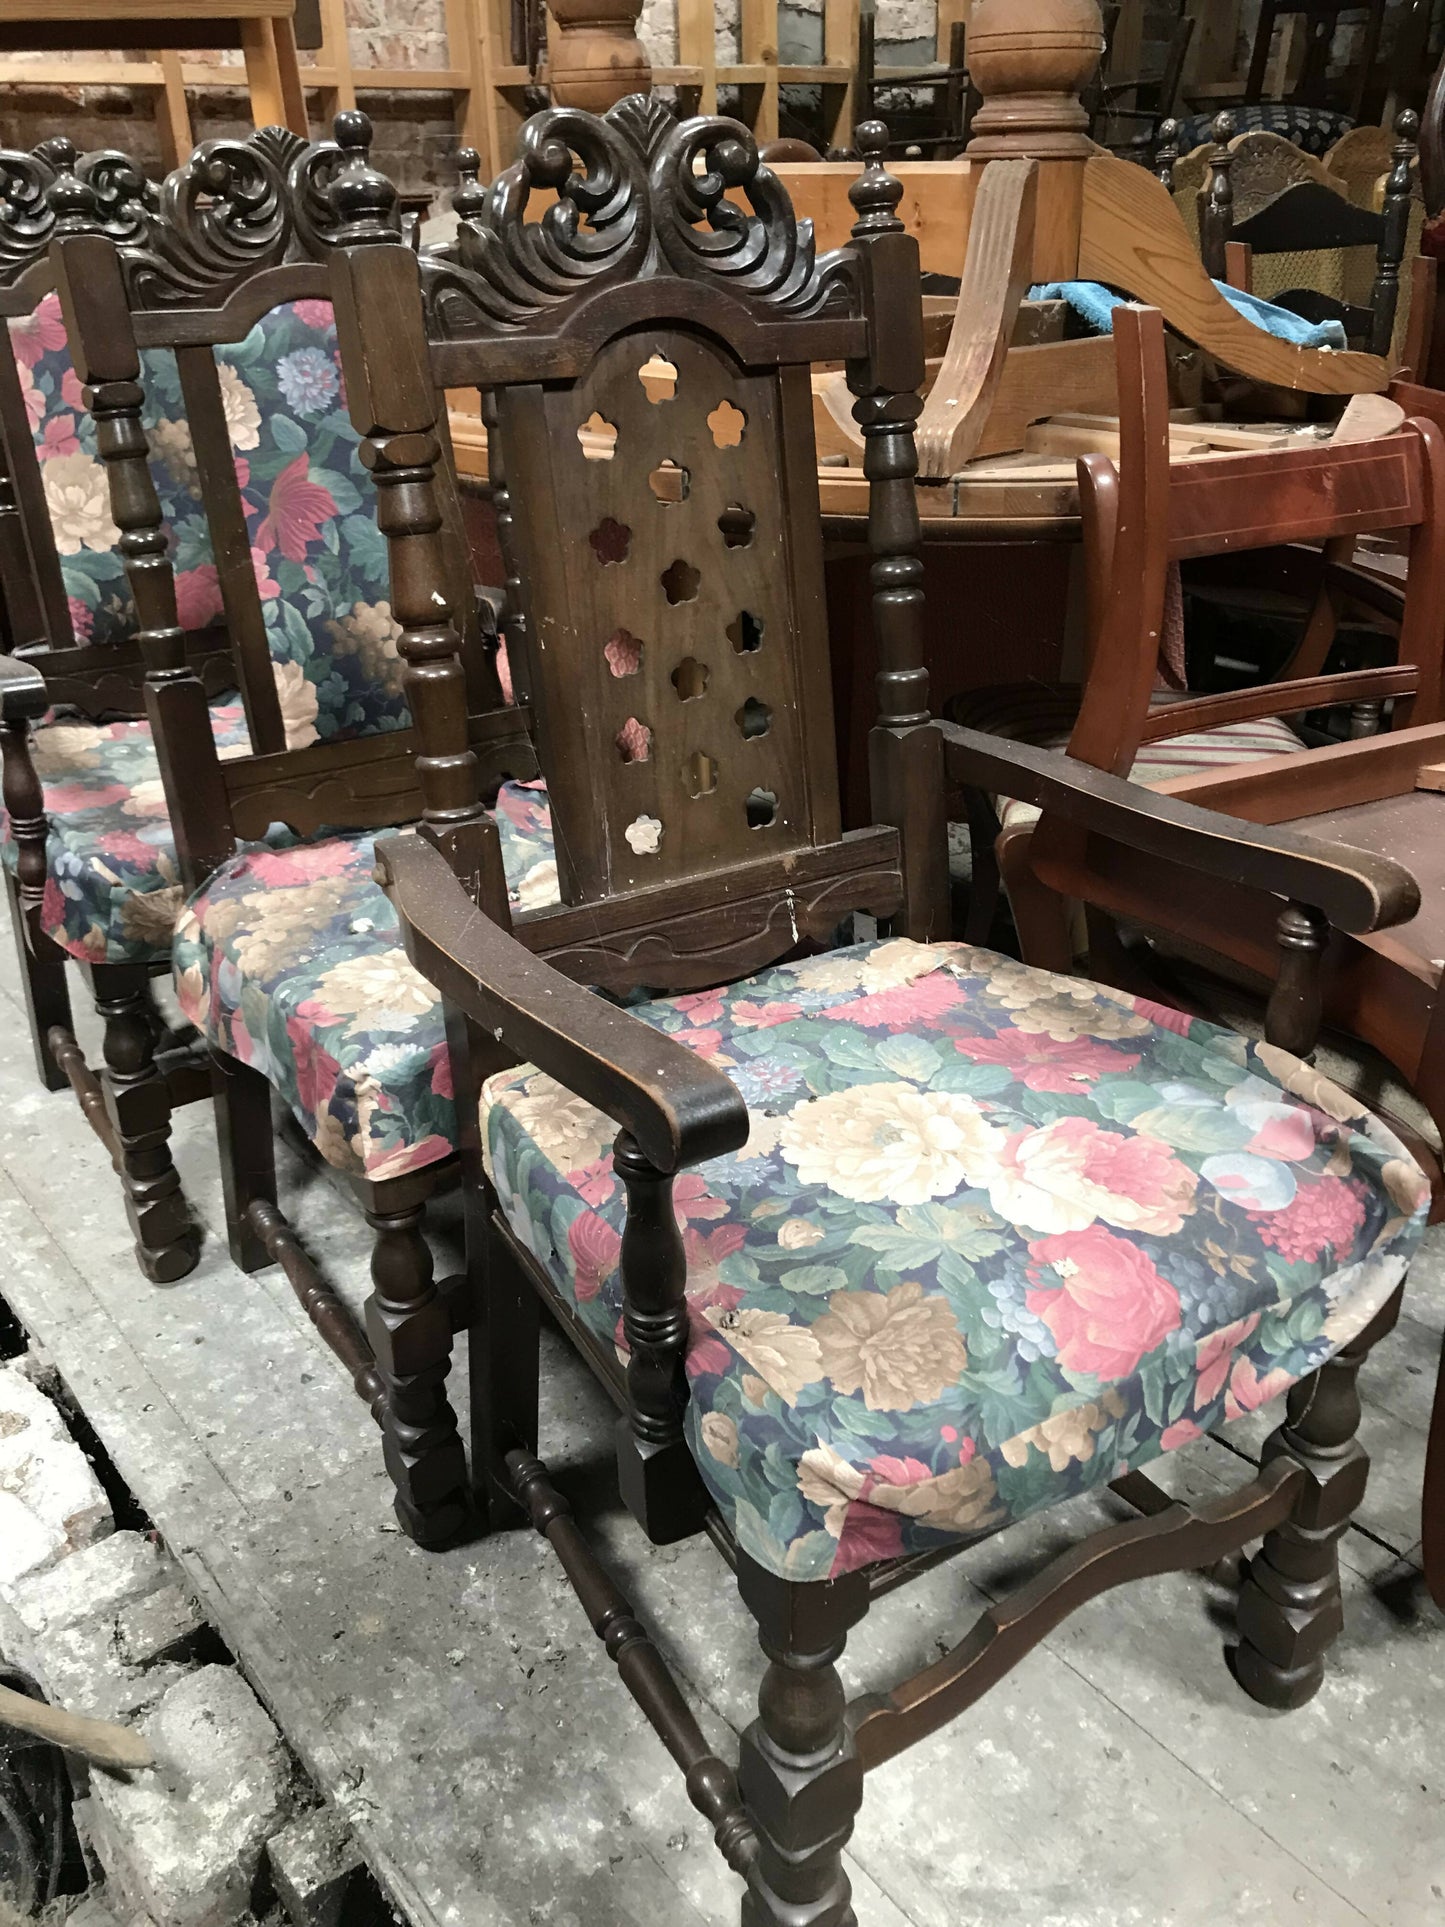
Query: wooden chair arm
point(1356, 890)
point(679, 1109)
point(1356, 584)
point(23, 694)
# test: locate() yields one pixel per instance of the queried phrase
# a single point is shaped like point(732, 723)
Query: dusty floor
point(459, 1710)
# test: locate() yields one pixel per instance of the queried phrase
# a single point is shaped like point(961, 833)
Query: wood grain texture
point(1131, 237)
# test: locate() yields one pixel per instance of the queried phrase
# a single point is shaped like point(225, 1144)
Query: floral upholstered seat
point(995, 1237)
point(290, 960)
point(114, 890)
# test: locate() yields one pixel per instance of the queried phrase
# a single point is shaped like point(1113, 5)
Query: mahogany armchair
point(875, 1249)
point(285, 953)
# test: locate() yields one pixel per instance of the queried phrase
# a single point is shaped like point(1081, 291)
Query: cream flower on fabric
point(890, 1141)
point(1067, 1174)
point(898, 1348)
point(243, 417)
point(75, 495)
point(299, 707)
point(381, 987)
point(567, 1130)
point(785, 1356)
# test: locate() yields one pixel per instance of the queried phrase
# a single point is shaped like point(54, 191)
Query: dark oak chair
point(285, 955)
point(67, 639)
point(840, 1306)
point(1310, 219)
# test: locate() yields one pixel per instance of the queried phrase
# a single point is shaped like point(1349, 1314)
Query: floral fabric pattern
point(114, 889)
point(319, 558)
point(101, 609)
point(995, 1237)
point(291, 960)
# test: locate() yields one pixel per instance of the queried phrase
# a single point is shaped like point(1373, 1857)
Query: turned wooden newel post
point(594, 57)
point(1399, 193)
point(1216, 199)
point(905, 751)
point(395, 406)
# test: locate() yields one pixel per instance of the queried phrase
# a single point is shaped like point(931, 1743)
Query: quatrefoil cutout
point(762, 808)
point(745, 633)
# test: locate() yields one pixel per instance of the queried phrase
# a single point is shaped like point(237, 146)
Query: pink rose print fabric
point(996, 1236)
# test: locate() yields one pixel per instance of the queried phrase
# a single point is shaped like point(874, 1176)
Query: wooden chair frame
point(42, 664)
point(1309, 216)
point(242, 228)
point(493, 319)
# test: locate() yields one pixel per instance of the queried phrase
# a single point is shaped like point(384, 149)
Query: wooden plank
point(936, 207)
point(173, 120)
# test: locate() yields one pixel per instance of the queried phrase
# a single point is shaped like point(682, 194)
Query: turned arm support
point(1354, 889)
point(678, 1108)
point(23, 695)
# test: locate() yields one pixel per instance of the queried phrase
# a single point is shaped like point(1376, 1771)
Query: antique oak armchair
point(895, 1242)
point(67, 632)
point(285, 953)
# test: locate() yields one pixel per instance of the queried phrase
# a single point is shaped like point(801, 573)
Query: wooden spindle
point(1216, 200)
point(1399, 193)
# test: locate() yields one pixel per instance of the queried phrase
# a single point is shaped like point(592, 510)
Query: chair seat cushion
point(291, 960)
point(114, 890)
point(996, 1236)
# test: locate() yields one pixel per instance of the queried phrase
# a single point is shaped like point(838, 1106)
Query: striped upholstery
point(1044, 714)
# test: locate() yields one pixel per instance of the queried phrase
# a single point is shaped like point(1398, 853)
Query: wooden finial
point(69, 199)
point(1031, 60)
point(1216, 199)
point(469, 196)
point(1167, 154)
point(364, 200)
point(876, 193)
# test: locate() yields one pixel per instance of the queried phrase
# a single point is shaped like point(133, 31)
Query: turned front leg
point(801, 1778)
point(410, 1331)
point(1290, 1608)
point(138, 1105)
point(656, 1470)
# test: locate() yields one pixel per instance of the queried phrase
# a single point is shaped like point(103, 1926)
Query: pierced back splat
point(733, 627)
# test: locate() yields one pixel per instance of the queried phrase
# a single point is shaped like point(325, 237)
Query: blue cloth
point(1097, 303)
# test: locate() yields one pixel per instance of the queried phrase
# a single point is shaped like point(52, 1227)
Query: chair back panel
point(1295, 495)
point(675, 601)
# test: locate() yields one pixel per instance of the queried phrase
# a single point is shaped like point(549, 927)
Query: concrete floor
point(460, 1713)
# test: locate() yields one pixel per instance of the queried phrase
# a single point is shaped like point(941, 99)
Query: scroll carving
point(114, 194)
point(631, 203)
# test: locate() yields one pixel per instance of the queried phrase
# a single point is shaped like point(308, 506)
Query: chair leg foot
point(799, 1771)
point(167, 1242)
point(410, 1332)
point(1290, 1610)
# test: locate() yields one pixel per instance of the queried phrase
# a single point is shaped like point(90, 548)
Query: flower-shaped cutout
point(670, 482)
point(736, 525)
point(746, 632)
point(700, 774)
point(634, 741)
point(659, 379)
point(754, 718)
point(762, 808)
point(727, 424)
point(598, 437)
point(644, 835)
point(680, 580)
point(611, 540)
point(623, 651)
point(690, 679)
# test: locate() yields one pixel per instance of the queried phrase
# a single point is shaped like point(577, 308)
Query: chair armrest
point(23, 694)
point(1355, 889)
point(676, 1105)
point(1357, 584)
